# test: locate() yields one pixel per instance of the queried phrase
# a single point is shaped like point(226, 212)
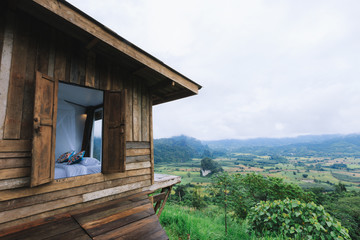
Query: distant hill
point(231, 144)
point(183, 148)
point(179, 149)
point(311, 145)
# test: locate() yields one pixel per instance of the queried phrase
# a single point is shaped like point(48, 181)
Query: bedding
point(63, 170)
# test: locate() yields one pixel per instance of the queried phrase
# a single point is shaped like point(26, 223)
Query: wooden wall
point(37, 47)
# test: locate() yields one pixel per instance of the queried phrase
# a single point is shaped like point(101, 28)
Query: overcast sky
point(268, 68)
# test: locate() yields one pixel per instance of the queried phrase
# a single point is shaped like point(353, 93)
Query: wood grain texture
point(68, 183)
point(102, 34)
point(129, 117)
point(29, 87)
point(151, 136)
point(145, 122)
point(63, 194)
point(12, 146)
point(45, 111)
point(14, 108)
point(5, 66)
point(90, 69)
point(114, 142)
point(136, 118)
point(137, 152)
point(132, 145)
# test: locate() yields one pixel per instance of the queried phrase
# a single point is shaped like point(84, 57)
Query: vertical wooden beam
point(129, 117)
point(12, 127)
point(6, 57)
point(60, 59)
point(104, 73)
point(29, 90)
point(164, 201)
point(90, 69)
point(137, 111)
point(145, 115)
point(51, 63)
point(151, 139)
point(42, 62)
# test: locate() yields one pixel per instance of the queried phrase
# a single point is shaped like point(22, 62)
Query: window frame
point(113, 100)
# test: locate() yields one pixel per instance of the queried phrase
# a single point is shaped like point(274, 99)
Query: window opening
point(78, 128)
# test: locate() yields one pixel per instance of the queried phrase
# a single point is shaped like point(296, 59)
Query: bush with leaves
point(295, 219)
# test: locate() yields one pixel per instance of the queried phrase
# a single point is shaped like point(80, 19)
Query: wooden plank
point(5, 66)
point(45, 230)
point(7, 216)
point(76, 234)
point(114, 132)
point(78, 63)
point(15, 145)
point(115, 190)
point(14, 162)
point(68, 183)
point(137, 111)
point(60, 58)
point(145, 123)
point(142, 158)
point(63, 194)
point(90, 69)
point(137, 230)
point(12, 127)
point(99, 32)
point(151, 140)
point(164, 202)
point(137, 151)
point(45, 111)
point(14, 183)
point(137, 165)
point(14, 173)
point(104, 73)
point(164, 183)
point(116, 77)
point(97, 217)
point(29, 89)
point(42, 62)
point(51, 62)
point(14, 154)
point(160, 196)
point(133, 145)
point(129, 117)
point(120, 219)
point(67, 209)
point(31, 224)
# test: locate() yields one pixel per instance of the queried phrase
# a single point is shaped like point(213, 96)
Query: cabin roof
point(165, 83)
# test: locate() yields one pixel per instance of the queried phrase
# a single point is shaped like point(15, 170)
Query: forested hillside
point(179, 149)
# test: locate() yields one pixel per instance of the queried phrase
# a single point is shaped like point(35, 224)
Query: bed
point(84, 167)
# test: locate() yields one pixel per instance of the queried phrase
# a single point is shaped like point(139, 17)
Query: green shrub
point(295, 219)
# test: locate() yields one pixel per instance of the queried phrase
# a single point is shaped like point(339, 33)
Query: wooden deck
point(131, 217)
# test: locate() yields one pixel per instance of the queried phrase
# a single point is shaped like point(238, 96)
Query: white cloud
point(268, 68)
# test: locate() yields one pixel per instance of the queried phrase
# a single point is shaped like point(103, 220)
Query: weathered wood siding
point(34, 46)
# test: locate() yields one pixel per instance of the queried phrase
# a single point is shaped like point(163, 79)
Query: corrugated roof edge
point(123, 39)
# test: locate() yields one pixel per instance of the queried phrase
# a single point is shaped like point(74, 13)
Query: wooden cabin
point(68, 84)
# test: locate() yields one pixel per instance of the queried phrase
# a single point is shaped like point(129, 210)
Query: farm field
point(308, 172)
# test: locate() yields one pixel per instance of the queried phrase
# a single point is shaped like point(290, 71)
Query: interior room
point(79, 124)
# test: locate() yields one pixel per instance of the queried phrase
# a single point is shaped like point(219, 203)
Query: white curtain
point(69, 127)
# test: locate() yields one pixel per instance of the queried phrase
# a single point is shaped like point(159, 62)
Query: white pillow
point(87, 161)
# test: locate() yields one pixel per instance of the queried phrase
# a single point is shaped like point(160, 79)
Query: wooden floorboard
point(131, 217)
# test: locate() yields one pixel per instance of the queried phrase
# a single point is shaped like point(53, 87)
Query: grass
point(181, 222)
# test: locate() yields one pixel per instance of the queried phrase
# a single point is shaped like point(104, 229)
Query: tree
point(211, 165)
point(221, 184)
point(305, 175)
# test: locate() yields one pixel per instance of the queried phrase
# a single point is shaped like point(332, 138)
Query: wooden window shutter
point(44, 132)
point(114, 142)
